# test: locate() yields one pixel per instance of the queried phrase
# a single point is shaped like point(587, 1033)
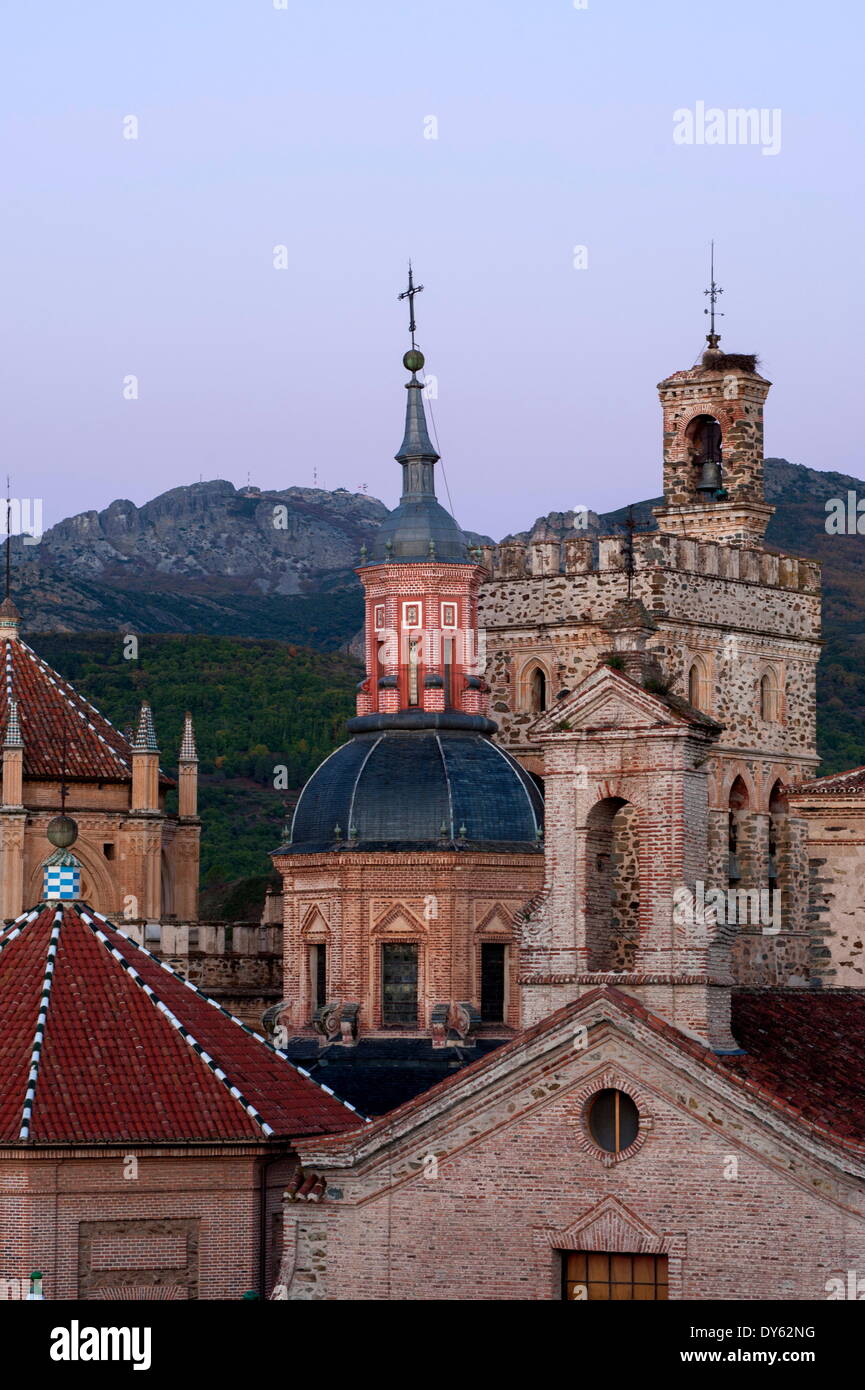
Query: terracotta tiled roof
point(102, 1042)
point(838, 784)
point(804, 1048)
point(46, 705)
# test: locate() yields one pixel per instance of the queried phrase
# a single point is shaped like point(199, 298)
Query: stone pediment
point(609, 700)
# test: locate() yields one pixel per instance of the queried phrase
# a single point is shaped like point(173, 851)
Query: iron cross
point(713, 292)
point(409, 294)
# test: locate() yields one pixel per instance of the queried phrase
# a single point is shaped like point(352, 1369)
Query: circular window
point(614, 1120)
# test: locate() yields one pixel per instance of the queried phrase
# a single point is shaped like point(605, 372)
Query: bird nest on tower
point(730, 361)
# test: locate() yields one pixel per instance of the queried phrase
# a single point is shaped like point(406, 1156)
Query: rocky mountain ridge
point(215, 559)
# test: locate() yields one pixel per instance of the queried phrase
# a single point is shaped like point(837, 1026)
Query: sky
point(153, 335)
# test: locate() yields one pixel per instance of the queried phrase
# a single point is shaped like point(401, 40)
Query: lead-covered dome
point(418, 781)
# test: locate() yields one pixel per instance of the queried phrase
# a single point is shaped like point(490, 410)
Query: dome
point(420, 529)
point(418, 781)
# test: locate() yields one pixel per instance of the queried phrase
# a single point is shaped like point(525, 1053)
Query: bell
point(710, 477)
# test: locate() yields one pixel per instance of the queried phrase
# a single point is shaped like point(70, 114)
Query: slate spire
point(420, 528)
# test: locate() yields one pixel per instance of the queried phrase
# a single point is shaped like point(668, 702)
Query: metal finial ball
point(62, 832)
point(413, 360)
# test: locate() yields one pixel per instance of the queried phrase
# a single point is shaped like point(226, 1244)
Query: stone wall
point(836, 886)
point(739, 613)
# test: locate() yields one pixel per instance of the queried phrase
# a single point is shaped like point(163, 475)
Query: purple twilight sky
point(268, 123)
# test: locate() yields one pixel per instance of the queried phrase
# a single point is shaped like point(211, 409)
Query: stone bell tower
point(713, 446)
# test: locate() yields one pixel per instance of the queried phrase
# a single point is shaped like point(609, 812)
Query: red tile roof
point(804, 1048)
point(102, 1042)
point(836, 784)
point(47, 704)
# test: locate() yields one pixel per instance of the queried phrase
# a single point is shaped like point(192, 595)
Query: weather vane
point(409, 294)
point(713, 291)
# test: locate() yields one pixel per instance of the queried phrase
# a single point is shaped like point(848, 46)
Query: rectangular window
point(493, 956)
point(318, 975)
point(411, 615)
point(413, 660)
point(597, 1277)
point(448, 664)
point(379, 616)
point(399, 984)
point(449, 615)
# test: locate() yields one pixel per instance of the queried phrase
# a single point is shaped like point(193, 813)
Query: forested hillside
point(257, 705)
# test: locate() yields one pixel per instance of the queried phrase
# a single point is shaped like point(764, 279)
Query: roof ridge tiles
point(21, 659)
point(108, 1071)
point(41, 1021)
point(208, 999)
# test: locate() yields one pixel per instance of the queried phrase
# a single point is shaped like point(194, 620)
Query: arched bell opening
point(612, 885)
point(705, 448)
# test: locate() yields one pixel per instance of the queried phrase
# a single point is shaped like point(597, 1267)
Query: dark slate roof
point(103, 1043)
point(396, 786)
point(411, 527)
point(419, 529)
point(378, 1074)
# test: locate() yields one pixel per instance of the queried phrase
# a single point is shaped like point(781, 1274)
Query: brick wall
point(183, 1223)
point(744, 1207)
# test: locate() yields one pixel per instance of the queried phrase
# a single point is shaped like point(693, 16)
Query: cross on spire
point(409, 294)
point(713, 291)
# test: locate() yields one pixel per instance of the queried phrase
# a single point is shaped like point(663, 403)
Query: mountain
point(266, 714)
point(206, 558)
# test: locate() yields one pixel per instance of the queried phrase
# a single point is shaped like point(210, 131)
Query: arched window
point(738, 805)
point(694, 691)
point(767, 691)
point(612, 885)
point(777, 814)
point(538, 690)
point(699, 685)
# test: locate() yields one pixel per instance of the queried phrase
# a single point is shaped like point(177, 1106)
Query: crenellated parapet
point(526, 560)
